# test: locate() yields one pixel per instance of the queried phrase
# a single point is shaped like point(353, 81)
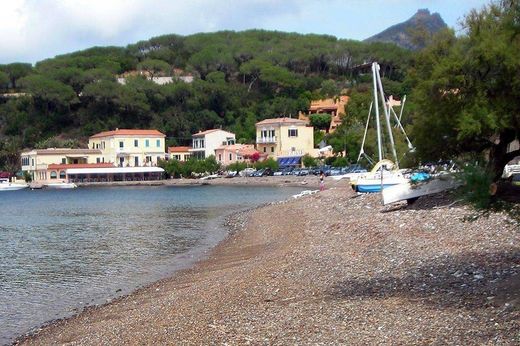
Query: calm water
point(62, 250)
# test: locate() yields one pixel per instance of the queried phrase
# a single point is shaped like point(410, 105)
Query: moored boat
point(61, 185)
point(7, 186)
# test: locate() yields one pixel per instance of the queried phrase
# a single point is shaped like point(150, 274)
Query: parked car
point(303, 172)
point(246, 172)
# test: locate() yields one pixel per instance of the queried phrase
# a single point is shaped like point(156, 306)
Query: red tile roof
point(281, 121)
point(81, 165)
point(178, 149)
point(129, 132)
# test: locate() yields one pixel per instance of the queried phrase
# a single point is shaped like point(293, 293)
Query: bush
point(476, 182)
point(309, 161)
point(340, 162)
point(269, 163)
point(237, 166)
point(176, 169)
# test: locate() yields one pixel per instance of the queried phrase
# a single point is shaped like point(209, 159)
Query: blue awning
point(289, 161)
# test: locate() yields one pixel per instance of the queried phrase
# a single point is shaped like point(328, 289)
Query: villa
point(130, 148)
point(228, 154)
point(285, 140)
point(206, 142)
point(333, 106)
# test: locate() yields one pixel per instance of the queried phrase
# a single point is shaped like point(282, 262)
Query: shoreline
point(279, 181)
point(328, 267)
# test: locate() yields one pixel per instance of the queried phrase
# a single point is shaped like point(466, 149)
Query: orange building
point(334, 106)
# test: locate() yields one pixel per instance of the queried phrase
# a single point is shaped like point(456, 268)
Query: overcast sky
point(33, 30)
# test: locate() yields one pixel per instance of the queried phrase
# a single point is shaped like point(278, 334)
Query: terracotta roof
point(178, 149)
point(81, 165)
point(129, 132)
point(281, 121)
point(66, 151)
point(203, 133)
point(330, 104)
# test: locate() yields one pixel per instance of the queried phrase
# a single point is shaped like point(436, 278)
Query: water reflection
point(60, 250)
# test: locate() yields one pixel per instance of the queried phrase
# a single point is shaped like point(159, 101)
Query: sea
point(63, 250)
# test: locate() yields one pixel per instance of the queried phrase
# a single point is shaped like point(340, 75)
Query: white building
point(205, 143)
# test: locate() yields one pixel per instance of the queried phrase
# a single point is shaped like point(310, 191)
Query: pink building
point(228, 154)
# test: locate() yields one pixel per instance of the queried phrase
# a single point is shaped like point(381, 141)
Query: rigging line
point(410, 146)
point(362, 150)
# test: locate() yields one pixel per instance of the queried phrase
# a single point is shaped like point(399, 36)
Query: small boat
point(7, 186)
point(372, 181)
point(61, 185)
point(410, 192)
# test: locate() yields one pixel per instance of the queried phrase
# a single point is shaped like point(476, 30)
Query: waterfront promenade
point(329, 268)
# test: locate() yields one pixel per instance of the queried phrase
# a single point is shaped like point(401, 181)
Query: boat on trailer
point(409, 191)
point(385, 173)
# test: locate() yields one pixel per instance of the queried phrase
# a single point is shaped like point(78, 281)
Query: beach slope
point(329, 268)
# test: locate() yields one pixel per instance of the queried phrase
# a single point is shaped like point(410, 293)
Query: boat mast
point(387, 115)
point(378, 129)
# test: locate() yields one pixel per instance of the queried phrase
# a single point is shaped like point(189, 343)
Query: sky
point(33, 30)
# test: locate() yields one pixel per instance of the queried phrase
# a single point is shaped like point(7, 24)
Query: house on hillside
point(333, 106)
point(285, 139)
point(204, 143)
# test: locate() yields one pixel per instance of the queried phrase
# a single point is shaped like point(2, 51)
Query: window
point(230, 157)
point(136, 143)
point(136, 161)
point(63, 161)
point(265, 149)
point(54, 175)
point(121, 144)
point(32, 162)
point(293, 132)
point(158, 159)
point(147, 142)
point(62, 174)
point(220, 157)
point(272, 149)
point(98, 160)
point(158, 143)
point(177, 157)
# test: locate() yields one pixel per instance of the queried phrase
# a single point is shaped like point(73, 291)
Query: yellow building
point(179, 153)
point(130, 148)
point(284, 139)
point(36, 162)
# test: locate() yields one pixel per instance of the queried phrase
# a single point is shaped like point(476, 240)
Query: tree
point(154, 67)
point(15, 71)
point(308, 161)
point(321, 121)
point(467, 88)
point(4, 81)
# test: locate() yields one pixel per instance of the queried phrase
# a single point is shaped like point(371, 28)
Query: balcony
point(265, 140)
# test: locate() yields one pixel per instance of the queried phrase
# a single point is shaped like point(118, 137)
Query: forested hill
point(238, 79)
point(411, 34)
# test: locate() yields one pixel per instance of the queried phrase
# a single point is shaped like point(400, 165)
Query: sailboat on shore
point(385, 173)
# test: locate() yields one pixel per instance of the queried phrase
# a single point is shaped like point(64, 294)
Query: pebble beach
point(328, 268)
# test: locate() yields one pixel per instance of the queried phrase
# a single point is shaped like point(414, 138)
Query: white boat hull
point(407, 191)
point(12, 186)
point(61, 185)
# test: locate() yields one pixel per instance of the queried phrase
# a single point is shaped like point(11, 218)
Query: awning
point(289, 161)
point(115, 170)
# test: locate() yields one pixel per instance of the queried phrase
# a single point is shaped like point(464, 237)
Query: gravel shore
point(329, 268)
